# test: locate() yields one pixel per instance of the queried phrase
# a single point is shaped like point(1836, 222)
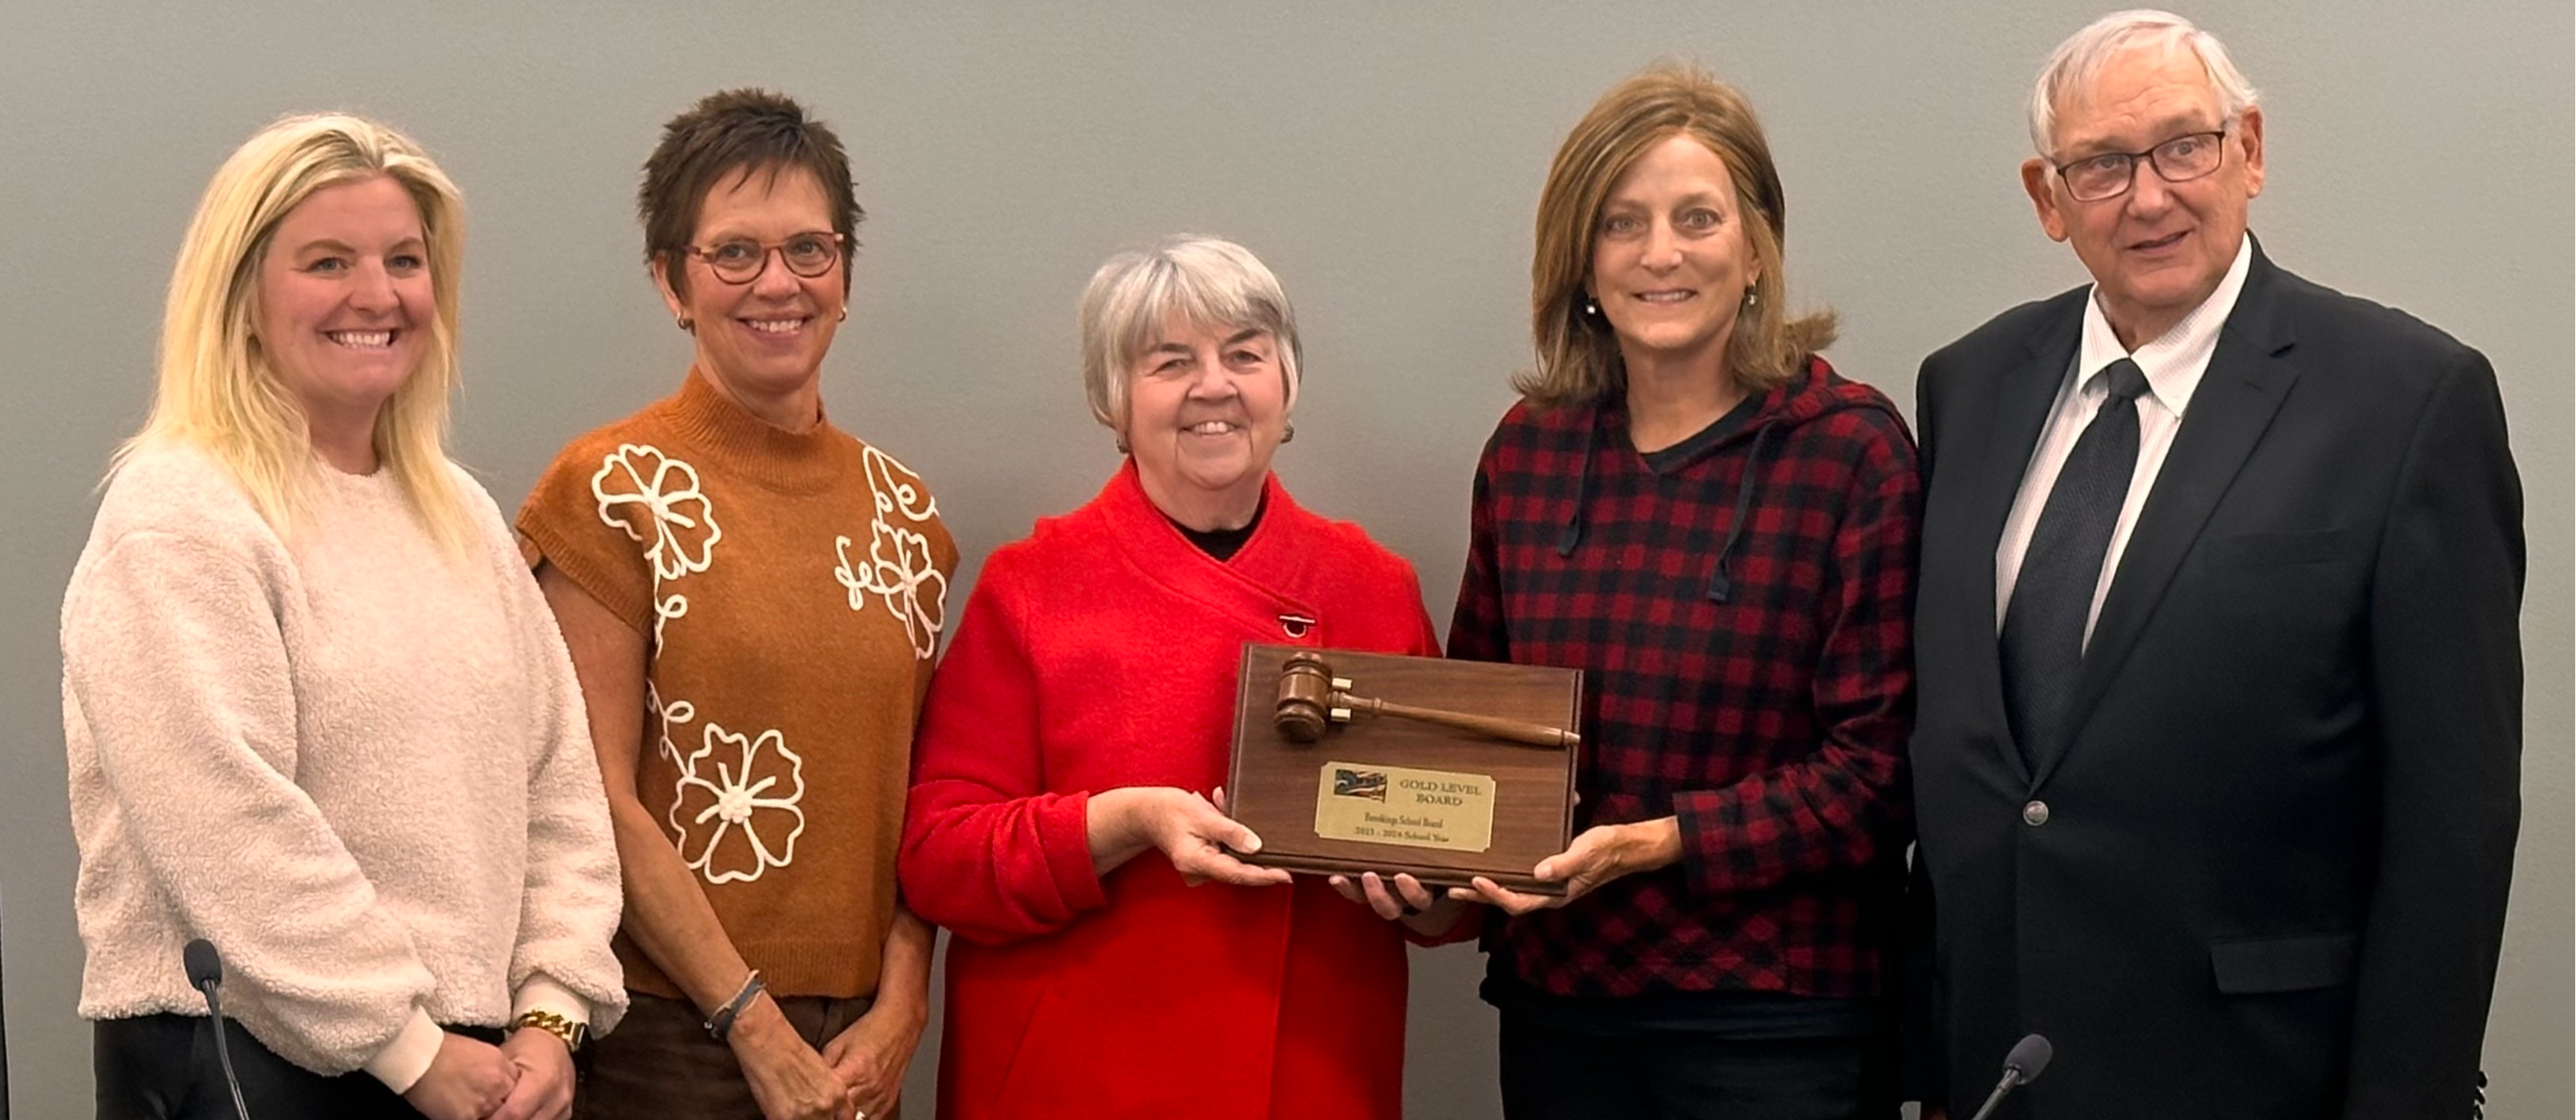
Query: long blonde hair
point(1578, 355)
point(217, 390)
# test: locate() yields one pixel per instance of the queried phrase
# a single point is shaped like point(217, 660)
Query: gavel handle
point(1511, 730)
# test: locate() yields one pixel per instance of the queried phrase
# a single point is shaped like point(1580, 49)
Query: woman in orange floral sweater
point(752, 598)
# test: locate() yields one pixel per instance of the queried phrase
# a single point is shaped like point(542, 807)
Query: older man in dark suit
point(2217, 758)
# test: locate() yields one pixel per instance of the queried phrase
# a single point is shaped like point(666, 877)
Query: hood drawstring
point(1573, 532)
point(1721, 587)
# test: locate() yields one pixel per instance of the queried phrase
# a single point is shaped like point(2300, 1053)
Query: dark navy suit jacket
point(2270, 880)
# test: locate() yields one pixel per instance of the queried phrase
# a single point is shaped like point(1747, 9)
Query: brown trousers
point(660, 1062)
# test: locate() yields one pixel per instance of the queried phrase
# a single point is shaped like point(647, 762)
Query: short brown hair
point(737, 133)
point(1578, 355)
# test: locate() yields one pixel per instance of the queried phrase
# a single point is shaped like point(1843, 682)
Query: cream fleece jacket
point(356, 764)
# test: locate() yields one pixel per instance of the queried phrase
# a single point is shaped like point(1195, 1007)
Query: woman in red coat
point(1064, 809)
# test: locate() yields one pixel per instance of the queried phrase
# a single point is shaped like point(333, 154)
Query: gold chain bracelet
point(573, 1032)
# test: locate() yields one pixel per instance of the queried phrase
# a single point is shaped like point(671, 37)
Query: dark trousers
point(1682, 1075)
point(162, 1067)
point(660, 1062)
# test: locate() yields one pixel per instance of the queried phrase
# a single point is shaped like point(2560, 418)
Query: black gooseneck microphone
point(206, 974)
point(2021, 1067)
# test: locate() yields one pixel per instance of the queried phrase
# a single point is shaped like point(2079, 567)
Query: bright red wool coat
point(1102, 652)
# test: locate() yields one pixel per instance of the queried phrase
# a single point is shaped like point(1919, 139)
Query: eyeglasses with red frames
point(739, 260)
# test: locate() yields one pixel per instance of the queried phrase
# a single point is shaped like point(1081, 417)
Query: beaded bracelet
point(720, 1024)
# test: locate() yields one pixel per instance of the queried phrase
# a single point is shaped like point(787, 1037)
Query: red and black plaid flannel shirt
point(1772, 723)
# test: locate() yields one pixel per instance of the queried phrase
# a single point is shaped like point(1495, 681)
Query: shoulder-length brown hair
point(1578, 355)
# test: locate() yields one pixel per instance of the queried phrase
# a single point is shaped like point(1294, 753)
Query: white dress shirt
point(2173, 364)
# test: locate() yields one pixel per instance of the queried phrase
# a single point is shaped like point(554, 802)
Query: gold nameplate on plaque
point(1395, 805)
point(1456, 769)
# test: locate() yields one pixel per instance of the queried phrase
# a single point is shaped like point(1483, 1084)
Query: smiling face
point(345, 303)
point(1670, 258)
point(763, 340)
point(2158, 250)
point(1205, 408)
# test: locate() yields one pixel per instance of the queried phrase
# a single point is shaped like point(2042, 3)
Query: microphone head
point(205, 968)
point(2029, 1058)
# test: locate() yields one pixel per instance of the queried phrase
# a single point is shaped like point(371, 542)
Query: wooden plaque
point(1388, 794)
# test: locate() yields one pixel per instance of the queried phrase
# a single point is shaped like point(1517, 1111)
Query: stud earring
point(1591, 307)
point(685, 323)
point(1752, 298)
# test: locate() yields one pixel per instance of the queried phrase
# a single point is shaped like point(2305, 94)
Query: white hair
point(2082, 57)
point(1206, 280)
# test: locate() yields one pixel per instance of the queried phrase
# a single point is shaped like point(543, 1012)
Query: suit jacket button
point(2035, 814)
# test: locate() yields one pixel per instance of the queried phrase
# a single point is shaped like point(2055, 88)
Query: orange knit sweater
point(792, 589)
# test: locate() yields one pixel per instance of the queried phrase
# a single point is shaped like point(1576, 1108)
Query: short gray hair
point(2080, 59)
point(1206, 280)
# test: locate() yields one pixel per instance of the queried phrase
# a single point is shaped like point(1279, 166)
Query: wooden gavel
point(1312, 699)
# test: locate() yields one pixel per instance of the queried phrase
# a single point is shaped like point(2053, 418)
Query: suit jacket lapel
point(2021, 405)
point(2249, 375)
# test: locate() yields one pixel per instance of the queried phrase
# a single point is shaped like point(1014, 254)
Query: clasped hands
point(858, 1074)
point(527, 1077)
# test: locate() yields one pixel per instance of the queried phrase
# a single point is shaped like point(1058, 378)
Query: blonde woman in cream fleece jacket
point(316, 710)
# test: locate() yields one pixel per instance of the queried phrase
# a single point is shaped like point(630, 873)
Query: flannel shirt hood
point(1813, 393)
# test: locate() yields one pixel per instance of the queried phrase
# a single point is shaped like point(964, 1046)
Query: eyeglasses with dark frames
point(739, 260)
point(2108, 175)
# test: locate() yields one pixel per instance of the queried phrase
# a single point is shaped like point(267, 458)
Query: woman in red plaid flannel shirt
point(1692, 507)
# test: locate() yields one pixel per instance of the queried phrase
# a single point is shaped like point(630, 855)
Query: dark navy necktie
point(2043, 638)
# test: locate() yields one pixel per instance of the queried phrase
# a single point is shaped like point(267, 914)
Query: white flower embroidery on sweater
point(681, 520)
point(736, 803)
point(899, 567)
point(656, 500)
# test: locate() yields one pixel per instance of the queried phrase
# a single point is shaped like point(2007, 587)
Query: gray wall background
point(1384, 159)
